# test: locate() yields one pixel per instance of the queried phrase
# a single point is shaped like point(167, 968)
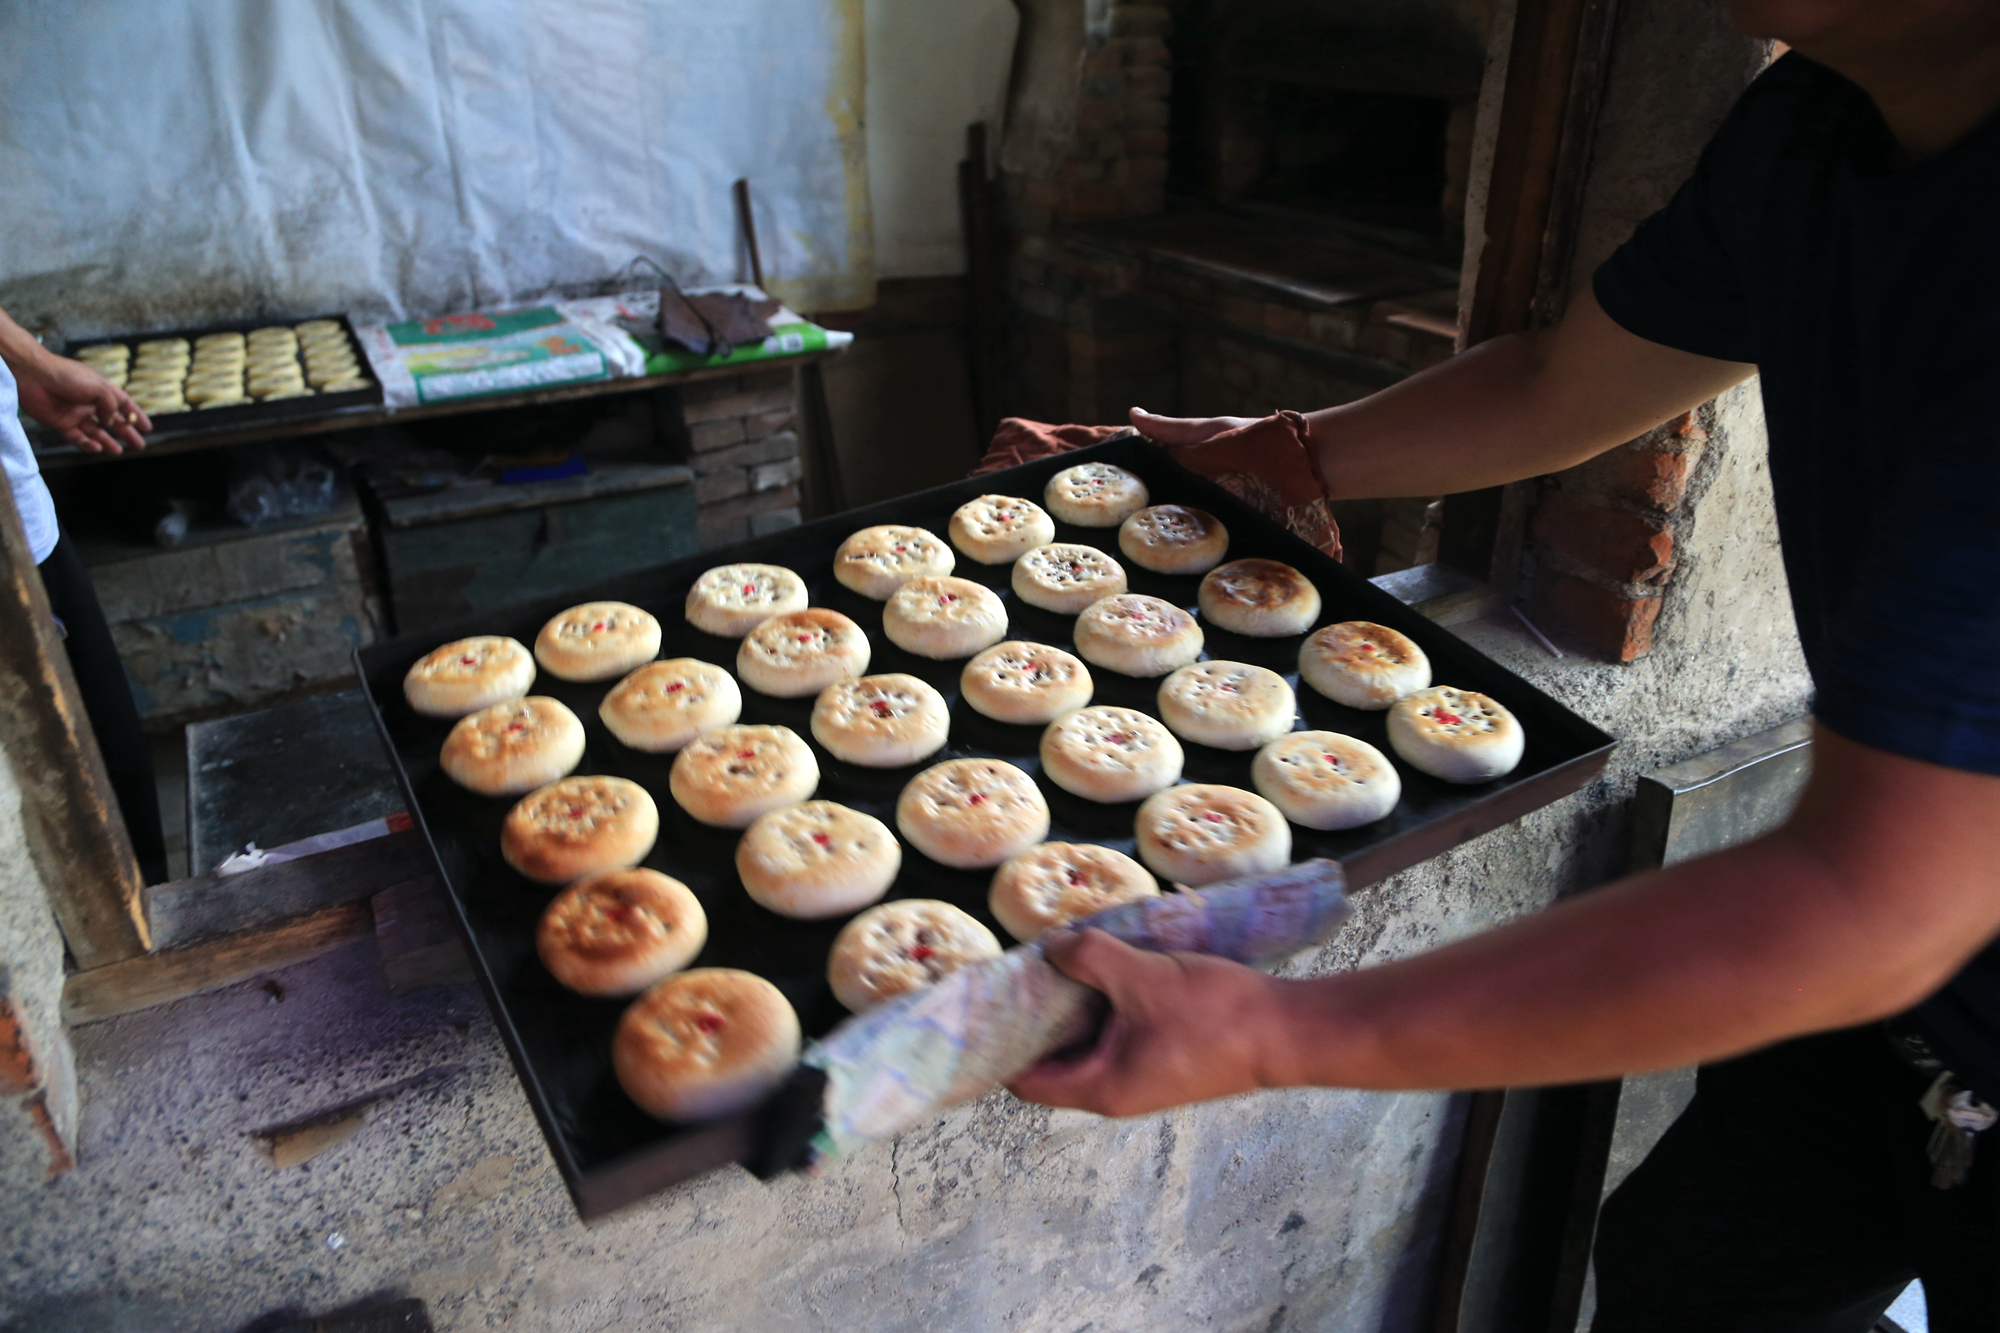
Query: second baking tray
point(257, 413)
point(610, 1153)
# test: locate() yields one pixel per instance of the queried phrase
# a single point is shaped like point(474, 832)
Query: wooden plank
point(188, 910)
point(75, 833)
point(53, 457)
point(154, 979)
point(406, 511)
point(417, 932)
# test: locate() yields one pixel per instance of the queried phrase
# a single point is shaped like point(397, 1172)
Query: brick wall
point(743, 444)
point(1110, 310)
point(38, 1078)
point(1602, 538)
point(1115, 164)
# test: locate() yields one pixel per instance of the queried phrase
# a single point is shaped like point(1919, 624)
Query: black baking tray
point(252, 413)
point(609, 1152)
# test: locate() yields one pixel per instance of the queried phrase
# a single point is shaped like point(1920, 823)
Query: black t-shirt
point(1868, 296)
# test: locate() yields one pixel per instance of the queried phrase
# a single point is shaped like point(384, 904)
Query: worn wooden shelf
point(53, 455)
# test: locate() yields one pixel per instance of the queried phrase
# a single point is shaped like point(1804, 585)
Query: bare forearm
point(1701, 961)
point(18, 347)
point(1515, 407)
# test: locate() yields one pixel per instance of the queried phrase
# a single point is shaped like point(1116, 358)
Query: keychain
point(1960, 1116)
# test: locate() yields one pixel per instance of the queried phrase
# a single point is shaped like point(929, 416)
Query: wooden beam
point(1534, 201)
point(76, 836)
point(173, 974)
point(417, 932)
point(1548, 114)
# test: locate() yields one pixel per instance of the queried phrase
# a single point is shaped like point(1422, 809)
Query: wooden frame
point(1555, 84)
point(76, 835)
point(1534, 201)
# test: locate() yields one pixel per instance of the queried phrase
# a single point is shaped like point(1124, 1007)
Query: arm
point(65, 395)
point(1518, 406)
point(1882, 884)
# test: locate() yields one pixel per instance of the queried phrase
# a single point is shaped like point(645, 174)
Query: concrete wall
point(933, 69)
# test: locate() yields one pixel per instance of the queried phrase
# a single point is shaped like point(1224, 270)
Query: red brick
point(1098, 113)
point(1186, 288)
point(1073, 170)
point(702, 390)
point(1288, 321)
point(1146, 143)
point(1107, 59)
point(776, 449)
point(59, 1159)
point(1143, 199)
point(705, 436)
point(770, 397)
point(1242, 312)
point(1149, 81)
point(1092, 199)
point(1621, 626)
point(1147, 114)
point(1130, 20)
point(1686, 427)
point(1386, 342)
point(765, 424)
point(1142, 50)
point(1333, 328)
point(1624, 547)
point(721, 484)
point(1146, 170)
point(770, 476)
point(1655, 478)
point(18, 1070)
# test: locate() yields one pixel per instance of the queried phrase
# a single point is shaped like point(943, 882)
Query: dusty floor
point(424, 1174)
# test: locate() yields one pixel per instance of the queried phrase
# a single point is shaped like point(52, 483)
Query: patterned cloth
point(1267, 464)
point(905, 1061)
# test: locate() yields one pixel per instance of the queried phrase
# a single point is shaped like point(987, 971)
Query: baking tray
point(609, 1152)
point(251, 413)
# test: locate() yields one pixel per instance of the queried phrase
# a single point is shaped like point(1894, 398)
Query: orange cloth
point(1267, 464)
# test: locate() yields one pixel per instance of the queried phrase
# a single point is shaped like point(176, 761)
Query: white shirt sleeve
point(24, 475)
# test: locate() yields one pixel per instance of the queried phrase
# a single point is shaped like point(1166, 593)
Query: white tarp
point(168, 162)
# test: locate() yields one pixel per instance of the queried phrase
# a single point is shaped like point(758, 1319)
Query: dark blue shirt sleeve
point(1684, 278)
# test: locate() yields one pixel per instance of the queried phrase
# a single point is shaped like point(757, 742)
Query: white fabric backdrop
point(164, 162)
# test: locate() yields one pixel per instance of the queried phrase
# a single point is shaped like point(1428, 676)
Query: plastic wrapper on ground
point(902, 1063)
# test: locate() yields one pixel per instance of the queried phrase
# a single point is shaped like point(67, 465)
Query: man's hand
point(1183, 430)
point(1183, 1028)
point(88, 410)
